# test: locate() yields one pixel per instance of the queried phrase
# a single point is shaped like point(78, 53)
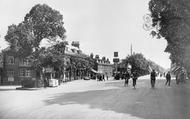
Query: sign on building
point(115, 54)
point(115, 60)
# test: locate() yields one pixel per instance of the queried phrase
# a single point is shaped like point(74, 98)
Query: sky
point(101, 26)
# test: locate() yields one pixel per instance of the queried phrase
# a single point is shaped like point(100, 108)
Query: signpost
point(116, 60)
point(115, 54)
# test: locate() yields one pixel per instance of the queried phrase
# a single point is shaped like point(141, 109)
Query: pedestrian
point(126, 77)
point(45, 82)
point(177, 78)
point(168, 79)
point(107, 76)
point(153, 78)
point(103, 77)
point(134, 77)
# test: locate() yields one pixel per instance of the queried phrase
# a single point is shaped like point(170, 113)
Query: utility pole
point(131, 50)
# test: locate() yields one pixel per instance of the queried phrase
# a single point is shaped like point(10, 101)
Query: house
point(15, 69)
point(74, 62)
point(105, 68)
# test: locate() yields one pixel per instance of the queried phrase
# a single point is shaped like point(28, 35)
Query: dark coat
point(168, 76)
point(153, 75)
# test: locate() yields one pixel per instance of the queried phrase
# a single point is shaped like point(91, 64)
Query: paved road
point(98, 100)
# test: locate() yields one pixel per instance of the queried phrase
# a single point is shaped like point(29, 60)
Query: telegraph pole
point(131, 49)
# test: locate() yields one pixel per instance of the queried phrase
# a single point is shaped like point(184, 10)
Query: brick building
point(15, 69)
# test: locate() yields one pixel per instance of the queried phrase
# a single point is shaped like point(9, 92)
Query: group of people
point(153, 78)
point(101, 77)
point(153, 75)
point(127, 76)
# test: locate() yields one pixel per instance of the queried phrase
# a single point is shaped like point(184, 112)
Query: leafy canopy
point(173, 19)
point(41, 22)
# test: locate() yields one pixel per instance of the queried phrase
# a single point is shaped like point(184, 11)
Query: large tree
point(46, 23)
point(42, 22)
point(138, 62)
point(172, 18)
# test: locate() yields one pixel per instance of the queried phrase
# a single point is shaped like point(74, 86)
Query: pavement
point(89, 99)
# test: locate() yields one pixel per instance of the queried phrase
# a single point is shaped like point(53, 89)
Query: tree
point(19, 39)
point(46, 23)
point(172, 19)
point(42, 22)
point(138, 63)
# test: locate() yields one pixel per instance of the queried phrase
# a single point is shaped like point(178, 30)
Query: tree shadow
point(109, 100)
point(141, 102)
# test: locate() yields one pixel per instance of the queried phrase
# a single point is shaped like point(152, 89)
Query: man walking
point(153, 78)
point(168, 79)
point(134, 77)
point(126, 77)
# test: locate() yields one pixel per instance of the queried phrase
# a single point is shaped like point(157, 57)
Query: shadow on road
point(7, 89)
point(145, 103)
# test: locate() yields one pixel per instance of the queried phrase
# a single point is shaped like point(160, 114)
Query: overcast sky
point(101, 26)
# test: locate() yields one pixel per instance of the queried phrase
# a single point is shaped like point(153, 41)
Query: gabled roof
point(6, 49)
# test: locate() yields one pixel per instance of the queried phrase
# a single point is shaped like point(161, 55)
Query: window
point(11, 60)
point(10, 73)
point(22, 72)
point(25, 62)
point(25, 73)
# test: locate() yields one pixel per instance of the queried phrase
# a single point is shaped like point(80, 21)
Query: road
point(89, 99)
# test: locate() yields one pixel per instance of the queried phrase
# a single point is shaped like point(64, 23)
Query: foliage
point(140, 64)
point(173, 19)
point(42, 22)
point(46, 23)
point(156, 67)
point(19, 38)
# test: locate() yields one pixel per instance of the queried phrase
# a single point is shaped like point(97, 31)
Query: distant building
point(73, 52)
point(105, 68)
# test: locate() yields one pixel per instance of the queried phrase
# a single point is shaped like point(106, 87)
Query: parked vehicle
point(86, 78)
